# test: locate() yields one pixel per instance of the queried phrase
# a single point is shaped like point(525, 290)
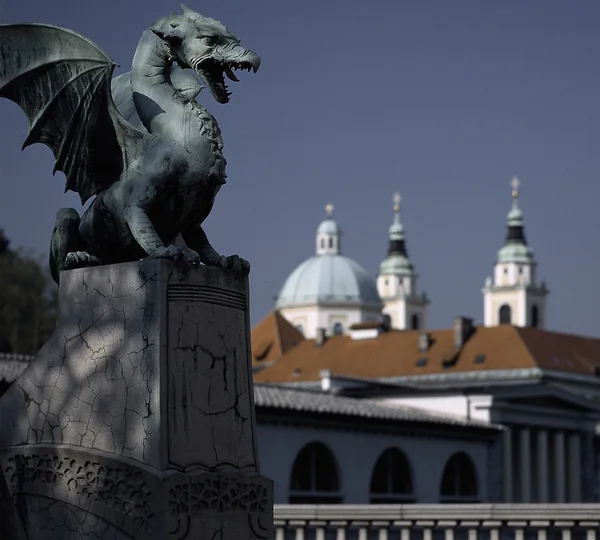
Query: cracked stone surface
point(136, 419)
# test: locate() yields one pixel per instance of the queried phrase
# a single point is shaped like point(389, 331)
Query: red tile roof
point(396, 354)
point(272, 337)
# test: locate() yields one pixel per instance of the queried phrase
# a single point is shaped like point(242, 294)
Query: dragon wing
point(62, 81)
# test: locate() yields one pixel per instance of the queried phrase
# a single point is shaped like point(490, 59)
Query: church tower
point(397, 281)
point(513, 295)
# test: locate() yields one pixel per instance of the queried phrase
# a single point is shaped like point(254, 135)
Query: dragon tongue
point(231, 75)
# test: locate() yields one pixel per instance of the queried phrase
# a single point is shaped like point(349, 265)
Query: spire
point(516, 232)
point(328, 234)
point(397, 261)
point(397, 280)
point(397, 245)
point(515, 249)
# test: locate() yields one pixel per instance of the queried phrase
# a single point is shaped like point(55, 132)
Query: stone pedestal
point(136, 418)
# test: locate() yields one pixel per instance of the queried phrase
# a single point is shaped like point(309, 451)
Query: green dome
point(515, 253)
point(396, 264)
point(515, 217)
point(396, 230)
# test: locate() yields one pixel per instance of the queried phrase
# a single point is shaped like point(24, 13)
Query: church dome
point(328, 279)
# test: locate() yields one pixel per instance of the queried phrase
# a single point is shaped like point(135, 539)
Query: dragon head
point(206, 46)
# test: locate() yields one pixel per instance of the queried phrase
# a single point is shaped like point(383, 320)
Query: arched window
point(459, 480)
point(535, 316)
point(338, 329)
point(315, 476)
point(414, 322)
point(331, 241)
point(387, 321)
point(505, 314)
point(391, 481)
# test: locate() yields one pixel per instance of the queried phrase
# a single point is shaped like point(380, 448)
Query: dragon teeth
point(231, 75)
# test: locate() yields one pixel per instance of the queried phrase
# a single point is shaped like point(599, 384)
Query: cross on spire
point(329, 209)
point(515, 183)
point(397, 200)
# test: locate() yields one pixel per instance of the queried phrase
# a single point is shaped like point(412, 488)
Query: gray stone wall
point(136, 419)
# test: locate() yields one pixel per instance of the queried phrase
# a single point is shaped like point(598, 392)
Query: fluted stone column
point(559, 467)
point(542, 465)
point(574, 468)
point(524, 464)
point(508, 465)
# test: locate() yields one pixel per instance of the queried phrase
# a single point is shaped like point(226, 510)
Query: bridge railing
point(438, 522)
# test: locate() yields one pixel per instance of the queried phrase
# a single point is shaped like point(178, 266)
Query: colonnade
point(541, 465)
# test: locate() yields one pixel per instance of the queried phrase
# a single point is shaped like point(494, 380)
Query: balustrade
point(438, 522)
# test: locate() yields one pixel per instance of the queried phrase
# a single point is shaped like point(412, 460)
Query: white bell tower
point(397, 281)
point(513, 295)
point(329, 235)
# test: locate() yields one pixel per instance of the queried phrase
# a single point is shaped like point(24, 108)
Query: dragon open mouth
point(213, 74)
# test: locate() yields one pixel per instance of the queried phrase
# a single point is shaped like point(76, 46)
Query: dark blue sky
point(443, 101)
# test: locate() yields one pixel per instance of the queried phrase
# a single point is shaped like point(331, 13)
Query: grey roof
point(280, 397)
point(369, 381)
point(12, 365)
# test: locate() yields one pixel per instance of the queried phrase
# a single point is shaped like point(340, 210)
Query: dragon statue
point(140, 144)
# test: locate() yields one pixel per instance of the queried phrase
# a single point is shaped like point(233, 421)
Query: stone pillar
point(559, 467)
point(508, 464)
point(525, 464)
point(542, 466)
point(136, 418)
point(588, 468)
point(574, 464)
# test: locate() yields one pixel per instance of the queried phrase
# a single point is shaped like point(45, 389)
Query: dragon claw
point(80, 259)
point(236, 264)
point(178, 254)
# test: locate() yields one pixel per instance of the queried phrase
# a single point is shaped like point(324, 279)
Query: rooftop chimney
point(325, 375)
point(424, 342)
point(463, 328)
point(321, 337)
point(367, 330)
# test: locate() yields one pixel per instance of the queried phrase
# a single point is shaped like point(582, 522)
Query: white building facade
point(325, 449)
point(532, 444)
